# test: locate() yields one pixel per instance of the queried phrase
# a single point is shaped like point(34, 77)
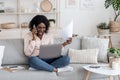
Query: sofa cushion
point(83, 56)
point(101, 44)
point(13, 53)
point(76, 44)
point(1, 54)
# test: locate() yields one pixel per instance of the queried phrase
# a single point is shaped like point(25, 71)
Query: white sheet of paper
point(67, 31)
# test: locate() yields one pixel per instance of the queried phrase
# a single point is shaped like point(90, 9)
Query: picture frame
point(72, 3)
point(87, 4)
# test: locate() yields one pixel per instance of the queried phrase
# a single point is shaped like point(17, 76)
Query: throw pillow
point(1, 54)
point(83, 56)
point(100, 43)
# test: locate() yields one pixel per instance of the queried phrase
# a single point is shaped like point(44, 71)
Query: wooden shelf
point(8, 13)
point(38, 13)
point(115, 32)
point(12, 29)
point(20, 17)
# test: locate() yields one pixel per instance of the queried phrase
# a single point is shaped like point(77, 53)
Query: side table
point(103, 69)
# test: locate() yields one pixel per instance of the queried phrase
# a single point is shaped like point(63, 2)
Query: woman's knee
point(33, 60)
point(66, 59)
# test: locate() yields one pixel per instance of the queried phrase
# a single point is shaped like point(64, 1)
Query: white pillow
point(83, 56)
point(100, 43)
point(1, 54)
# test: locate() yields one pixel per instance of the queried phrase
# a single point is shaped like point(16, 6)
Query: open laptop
point(50, 51)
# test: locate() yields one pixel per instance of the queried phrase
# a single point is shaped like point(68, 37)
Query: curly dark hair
point(36, 20)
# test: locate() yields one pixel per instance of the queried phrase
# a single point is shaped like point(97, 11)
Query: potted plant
point(115, 52)
point(52, 23)
point(103, 28)
point(114, 55)
point(115, 26)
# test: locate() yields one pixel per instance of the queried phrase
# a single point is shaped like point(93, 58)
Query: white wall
point(85, 20)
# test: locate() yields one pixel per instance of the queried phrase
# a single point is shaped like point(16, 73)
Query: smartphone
point(34, 28)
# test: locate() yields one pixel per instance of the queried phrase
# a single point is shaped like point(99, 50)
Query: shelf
point(25, 29)
point(28, 13)
point(38, 13)
point(114, 39)
point(12, 29)
point(8, 13)
point(115, 32)
point(111, 33)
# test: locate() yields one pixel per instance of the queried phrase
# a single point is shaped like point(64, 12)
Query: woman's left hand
point(68, 41)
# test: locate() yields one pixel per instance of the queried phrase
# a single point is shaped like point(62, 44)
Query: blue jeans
point(48, 64)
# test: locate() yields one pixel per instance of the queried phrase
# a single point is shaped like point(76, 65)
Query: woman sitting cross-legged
point(37, 36)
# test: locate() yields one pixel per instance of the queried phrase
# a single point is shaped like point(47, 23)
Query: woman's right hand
point(34, 32)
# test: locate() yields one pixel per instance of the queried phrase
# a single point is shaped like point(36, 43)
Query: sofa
point(14, 55)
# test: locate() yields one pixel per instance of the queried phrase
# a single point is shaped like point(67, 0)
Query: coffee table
point(103, 69)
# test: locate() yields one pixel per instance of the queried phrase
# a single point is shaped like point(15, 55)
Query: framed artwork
point(87, 4)
point(72, 3)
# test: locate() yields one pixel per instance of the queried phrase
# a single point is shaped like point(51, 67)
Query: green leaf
point(115, 5)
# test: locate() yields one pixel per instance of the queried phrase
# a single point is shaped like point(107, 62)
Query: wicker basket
point(114, 26)
point(24, 25)
point(9, 25)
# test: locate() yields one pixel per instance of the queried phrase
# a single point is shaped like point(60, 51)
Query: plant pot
point(114, 26)
point(103, 31)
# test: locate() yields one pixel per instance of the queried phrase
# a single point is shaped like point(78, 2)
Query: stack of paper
point(67, 31)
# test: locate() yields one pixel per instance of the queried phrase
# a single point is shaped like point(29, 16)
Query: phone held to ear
point(34, 27)
point(34, 31)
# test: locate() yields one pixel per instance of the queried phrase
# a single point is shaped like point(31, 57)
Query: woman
point(37, 36)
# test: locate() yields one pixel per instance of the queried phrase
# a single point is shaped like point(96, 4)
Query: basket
point(114, 26)
point(24, 25)
point(9, 25)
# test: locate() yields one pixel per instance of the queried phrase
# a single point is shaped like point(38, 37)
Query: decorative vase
point(115, 65)
point(112, 59)
point(52, 23)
